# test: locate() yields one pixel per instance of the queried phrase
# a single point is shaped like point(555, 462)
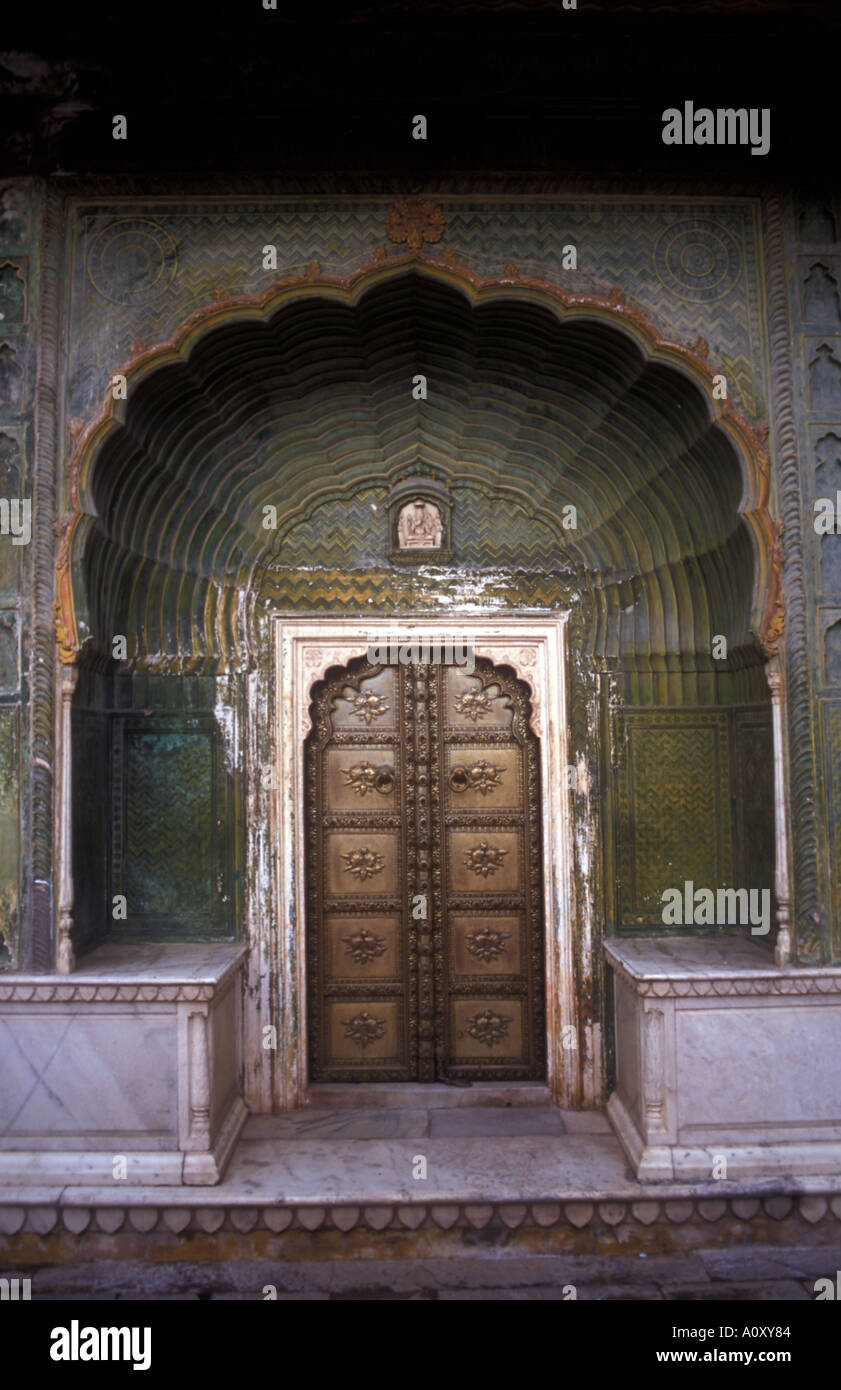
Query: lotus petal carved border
point(18, 1216)
point(740, 987)
point(106, 993)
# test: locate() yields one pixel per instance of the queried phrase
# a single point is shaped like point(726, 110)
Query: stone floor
point(760, 1274)
point(519, 1201)
point(485, 1143)
point(472, 1151)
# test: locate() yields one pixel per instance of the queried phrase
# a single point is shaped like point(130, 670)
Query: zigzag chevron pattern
point(353, 533)
point(347, 533)
point(369, 591)
point(490, 531)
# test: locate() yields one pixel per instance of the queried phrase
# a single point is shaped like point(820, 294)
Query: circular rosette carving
point(414, 221)
point(363, 946)
point(697, 259)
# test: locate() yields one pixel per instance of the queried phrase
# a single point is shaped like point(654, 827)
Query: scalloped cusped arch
point(312, 400)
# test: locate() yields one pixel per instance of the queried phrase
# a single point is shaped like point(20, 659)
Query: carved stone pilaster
point(199, 1078)
point(654, 1076)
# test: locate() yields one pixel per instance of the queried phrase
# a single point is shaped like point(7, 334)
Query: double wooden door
point(424, 893)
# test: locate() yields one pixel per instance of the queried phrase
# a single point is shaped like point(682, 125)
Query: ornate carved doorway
point(424, 892)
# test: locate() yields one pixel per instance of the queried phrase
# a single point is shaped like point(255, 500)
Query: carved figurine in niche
point(419, 526)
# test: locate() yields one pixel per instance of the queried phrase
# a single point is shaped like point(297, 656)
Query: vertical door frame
point(303, 650)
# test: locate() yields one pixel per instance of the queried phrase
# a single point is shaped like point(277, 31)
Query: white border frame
point(304, 649)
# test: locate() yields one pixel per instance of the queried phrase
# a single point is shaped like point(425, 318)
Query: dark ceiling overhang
point(504, 85)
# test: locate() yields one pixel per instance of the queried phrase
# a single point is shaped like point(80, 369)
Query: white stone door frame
point(304, 649)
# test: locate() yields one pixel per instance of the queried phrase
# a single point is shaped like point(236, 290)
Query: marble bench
point(128, 1070)
point(723, 1055)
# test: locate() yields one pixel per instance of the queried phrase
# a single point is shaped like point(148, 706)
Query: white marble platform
point(682, 960)
point(133, 1062)
point(307, 1173)
point(151, 967)
point(724, 1057)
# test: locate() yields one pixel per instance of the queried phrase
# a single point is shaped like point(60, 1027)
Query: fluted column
point(40, 949)
point(798, 693)
point(65, 955)
point(782, 890)
point(199, 1079)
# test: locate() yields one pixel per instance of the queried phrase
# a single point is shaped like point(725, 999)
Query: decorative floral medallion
point(364, 946)
point(481, 777)
point(364, 778)
point(132, 259)
point(697, 260)
point(363, 863)
point(488, 1028)
point(364, 1028)
point(414, 221)
point(488, 945)
point(368, 705)
point(484, 859)
point(474, 704)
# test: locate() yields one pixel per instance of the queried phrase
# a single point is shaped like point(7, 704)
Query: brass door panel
point(360, 779)
point(484, 781)
point(486, 943)
point(363, 948)
point(424, 906)
point(484, 860)
point(472, 704)
point(372, 705)
point(362, 863)
point(484, 1028)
